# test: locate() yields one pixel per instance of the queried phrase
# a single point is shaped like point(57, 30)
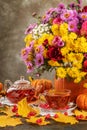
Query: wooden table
point(53, 126)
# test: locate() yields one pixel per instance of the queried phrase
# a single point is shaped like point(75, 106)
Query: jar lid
point(21, 81)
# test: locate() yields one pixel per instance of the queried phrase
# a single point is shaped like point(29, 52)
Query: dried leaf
point(8, 111)
point(24, 109)
point(64, 118)
point(80, 114)
point(9, 121)
point(38, 120)
point(42, 98)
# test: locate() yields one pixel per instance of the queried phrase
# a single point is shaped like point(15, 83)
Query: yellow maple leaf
point(65, 118)
point(42, 98)
point(38, 120)
point(8, 111)
point(24, 109)
point(9, 121)
point(81, 114)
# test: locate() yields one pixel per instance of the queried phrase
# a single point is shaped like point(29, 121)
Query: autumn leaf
point(8, 111)
point(42, 98)
point(9, 121)
point(64, 118)
point(80, 114)
point(38, 120)
point(24, 109)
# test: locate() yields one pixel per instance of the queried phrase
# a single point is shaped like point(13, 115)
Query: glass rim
point(60, 92)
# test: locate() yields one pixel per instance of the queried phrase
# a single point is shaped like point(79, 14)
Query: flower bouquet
point(58, 41)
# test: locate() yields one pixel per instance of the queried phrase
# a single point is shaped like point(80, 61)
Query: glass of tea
point(57, 99)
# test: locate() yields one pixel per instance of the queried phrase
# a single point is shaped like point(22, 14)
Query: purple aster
point(72, 5)
point(72, 26)
point(50, 11)
point(31, 44)
point(75, 14)
point(45, 19)
point(25, 52)
point(49, 14)
point(67, 15)
point(80, 2)
point(30, 67)
point(60, 8)
point(39, 60)
point(39, 49)
point(83, 16)
point(30, 28)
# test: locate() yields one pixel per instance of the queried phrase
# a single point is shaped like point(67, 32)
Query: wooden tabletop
point(53, 126)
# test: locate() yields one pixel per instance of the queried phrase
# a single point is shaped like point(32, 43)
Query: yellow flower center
point(67, 15)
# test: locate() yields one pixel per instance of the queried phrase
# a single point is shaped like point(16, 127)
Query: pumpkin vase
point(76, 88)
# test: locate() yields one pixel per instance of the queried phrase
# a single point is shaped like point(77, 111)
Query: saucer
point(5, 101)
point(52, 112)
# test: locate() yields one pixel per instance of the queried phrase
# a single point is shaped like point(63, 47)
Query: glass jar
point(18, 90)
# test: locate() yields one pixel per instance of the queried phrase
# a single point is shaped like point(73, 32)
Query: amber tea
point(58, 100)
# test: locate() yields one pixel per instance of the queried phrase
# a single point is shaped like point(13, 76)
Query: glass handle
point(22, 78)
point(7, 84)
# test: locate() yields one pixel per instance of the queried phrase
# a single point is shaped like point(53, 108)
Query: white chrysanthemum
point(39, 30)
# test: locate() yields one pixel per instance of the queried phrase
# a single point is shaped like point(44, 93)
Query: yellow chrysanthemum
point(53, 63)
point(77, 80)
point(55, 29)
point(82, 74)
point(73, 72)
point(80, 77)
point(75, 57)
point(64, 51)
point(44, 37)
point(77, 64)
point(72, 36)
point(28, 39)
point(45, 53)
point(65, 38)
point(63, 29)
point(61, 72)
point(81, 43)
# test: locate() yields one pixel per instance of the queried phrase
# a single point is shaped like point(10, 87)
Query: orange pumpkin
point(41, 85)
point(1, 86)
point(81, 101)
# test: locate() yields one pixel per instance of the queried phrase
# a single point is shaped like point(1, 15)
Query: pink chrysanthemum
point(67, 15)
point(30, 67)
point(25, 52)
point(83, 16)
point(73, 26)
point(30, 28)
point(39, 60)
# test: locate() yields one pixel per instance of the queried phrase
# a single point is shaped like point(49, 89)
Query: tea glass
point(57, 99)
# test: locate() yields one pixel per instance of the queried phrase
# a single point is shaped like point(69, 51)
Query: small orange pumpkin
point(81, 101)
point(41, 85)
